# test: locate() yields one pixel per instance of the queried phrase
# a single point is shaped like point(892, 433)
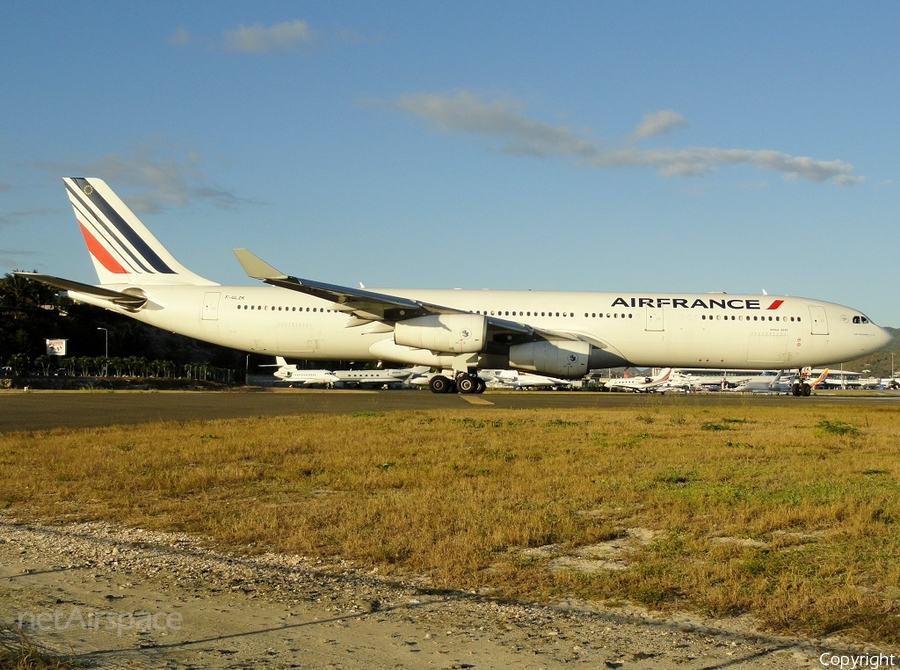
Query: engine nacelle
point(563, 358)
point(453, 333)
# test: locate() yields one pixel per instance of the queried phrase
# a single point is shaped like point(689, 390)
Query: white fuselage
point(683, 330)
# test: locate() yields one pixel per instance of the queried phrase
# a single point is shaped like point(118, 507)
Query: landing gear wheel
point(480, 385)
point(805, 390)
point(467, 384)
point(439, 384)
point(795, 390)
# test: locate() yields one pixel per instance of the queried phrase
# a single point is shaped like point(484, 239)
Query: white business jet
point(554, 333)
point(639, 384)
point(767, 382)
point(513, 379)
point(296, 376)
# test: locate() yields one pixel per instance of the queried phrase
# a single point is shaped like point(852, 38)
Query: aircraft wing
point(361, 303)
point(126, 300)
point(371, 306)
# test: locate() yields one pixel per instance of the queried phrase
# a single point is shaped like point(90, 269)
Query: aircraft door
point(210, 307)
point(654, 319)
point(819, 324)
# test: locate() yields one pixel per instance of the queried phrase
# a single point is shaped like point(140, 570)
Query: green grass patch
point(837, 427)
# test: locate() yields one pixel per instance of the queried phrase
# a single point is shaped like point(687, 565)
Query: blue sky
point(651, 146)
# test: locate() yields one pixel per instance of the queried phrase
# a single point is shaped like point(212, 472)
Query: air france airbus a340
point(562, 334)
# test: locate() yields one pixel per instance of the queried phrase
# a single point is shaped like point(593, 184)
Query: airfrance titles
point(694, 303)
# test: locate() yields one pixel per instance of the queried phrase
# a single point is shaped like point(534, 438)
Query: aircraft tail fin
point(122, 249)
point(818, 380)
point(279, 363)
point(663, 375)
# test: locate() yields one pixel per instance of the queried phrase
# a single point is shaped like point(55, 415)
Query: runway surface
point(44, 410)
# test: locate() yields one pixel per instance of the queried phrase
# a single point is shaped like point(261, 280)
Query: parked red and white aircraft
point(561, 334)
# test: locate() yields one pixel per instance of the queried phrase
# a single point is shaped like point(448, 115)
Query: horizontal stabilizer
point(125, 300)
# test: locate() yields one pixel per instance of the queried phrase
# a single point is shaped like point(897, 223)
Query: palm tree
point(19, 363)
point(117, 363)
point(132, 363)
point(44, 361)
point(84, 363)
point(100, 364)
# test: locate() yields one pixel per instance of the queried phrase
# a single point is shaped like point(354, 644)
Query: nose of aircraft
point(884, 338)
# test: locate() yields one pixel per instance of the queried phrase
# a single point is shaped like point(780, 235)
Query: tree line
point(31, 313)
point(115, 366)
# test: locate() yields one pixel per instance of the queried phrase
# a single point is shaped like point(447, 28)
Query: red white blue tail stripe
point(122, 249)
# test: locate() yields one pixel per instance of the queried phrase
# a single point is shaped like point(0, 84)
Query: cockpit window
point(860, 319)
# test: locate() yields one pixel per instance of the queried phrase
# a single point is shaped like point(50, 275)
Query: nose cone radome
point(882, 339)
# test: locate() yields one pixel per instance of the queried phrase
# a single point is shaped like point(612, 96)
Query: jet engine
point(451, 333)
point(562, 358)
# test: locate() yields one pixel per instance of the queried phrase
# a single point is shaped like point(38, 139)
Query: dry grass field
point(789, 513)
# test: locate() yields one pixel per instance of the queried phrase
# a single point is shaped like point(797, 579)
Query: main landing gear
point(465, 382)
point(801, 388)
point(798, 389)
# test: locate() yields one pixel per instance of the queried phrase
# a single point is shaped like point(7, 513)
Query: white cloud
point(505, 119)
point(162, 177)
point(659, 123)
point(285, 36)
point(465, 112)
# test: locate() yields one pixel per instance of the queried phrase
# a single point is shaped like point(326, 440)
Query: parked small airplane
point(295, 375)
point(639, 384)
point(561, 334)
point(513, 379)
point(767, 382)
point(390, 377)
point(299, 377)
